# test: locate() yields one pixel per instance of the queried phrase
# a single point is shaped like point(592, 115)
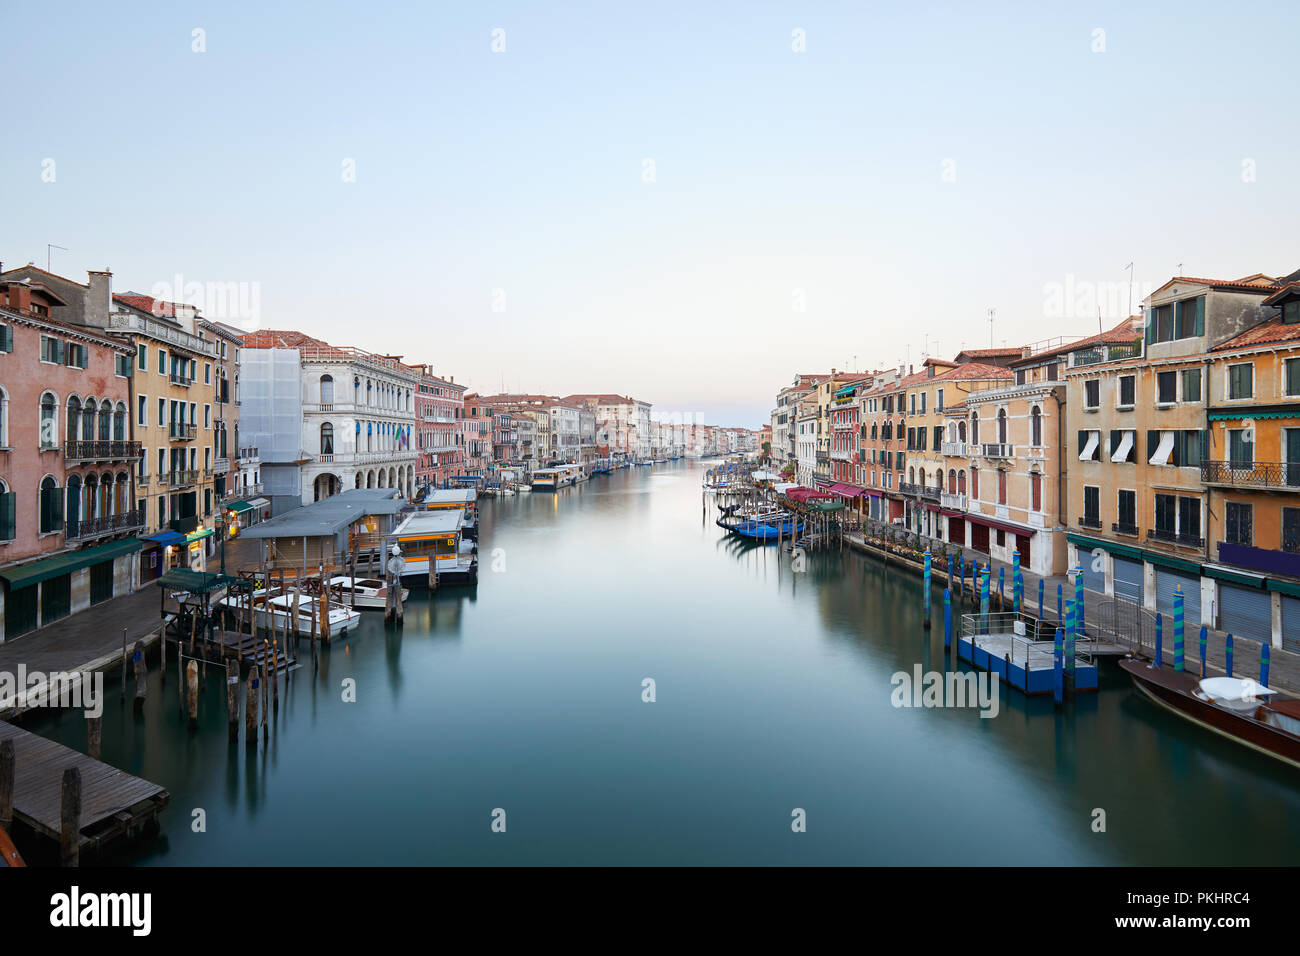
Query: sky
point(685, 202)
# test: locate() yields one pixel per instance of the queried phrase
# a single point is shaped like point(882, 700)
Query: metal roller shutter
point(1094, 571)
point(1245, 612)
point(1128, 580)
point(1166, 581)
point(1290, 623)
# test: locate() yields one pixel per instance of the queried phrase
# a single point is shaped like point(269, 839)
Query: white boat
point(1240, 694)
point(436, 536)
point(273, 608)
point(557, 477)
point(368, 593)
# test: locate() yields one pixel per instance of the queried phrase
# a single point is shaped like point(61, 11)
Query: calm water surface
point(773, 693)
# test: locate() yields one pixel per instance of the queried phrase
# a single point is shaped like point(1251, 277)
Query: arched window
point(91, 494)
point(88, 420)
point(105, 420)
point(119, 422)
point(121, 493)
point(51, 505)
point(911, 475)
point(974, 428)
point(1036, 427)
point(961, 482)
point(975, 483)
point(73, 509)
point(1002, 426)
point(49, 421)
point(74, 417)
point(961, 430)
point(327, 439)
point(326, 389)
point(105, 495)
point(952, 481)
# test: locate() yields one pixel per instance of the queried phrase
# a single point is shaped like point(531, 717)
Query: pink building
point(439, 410)
point(67, 460)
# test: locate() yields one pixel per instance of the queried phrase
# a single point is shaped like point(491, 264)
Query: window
point(8, 513)
point(142, 357)
point(1239, 518)
point(1167, 515)
point(51, 506)
point(1192, 385)
point(1092, 394)
point(1189, 518)
point(327, 439)
point(923, 394)
point(939, 406)
point(1036, 491)
point(1127, 512)
point(162, 361)
point(1002, 426)
point(1241, 450)
point(975, 483)
point(6, 338)
point(1127, 389)
point(1241, 381)
point(51, 350)
point(1002, 487)
point(1190, 318)
point(207, 373)
point(1036, 427)
point(1291, 375)
point(1088, 443)
point(207, 416)
point(1291, 530)
point(122, 366)
point(49, 437)
point(75, 355)
point(1167, 388)
point(1187, 448)
point(1123, 446)
point(1160, 324)
point(142, 417)
point(1092, 506)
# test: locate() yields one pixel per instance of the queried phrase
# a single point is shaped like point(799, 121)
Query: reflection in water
point(773, 692)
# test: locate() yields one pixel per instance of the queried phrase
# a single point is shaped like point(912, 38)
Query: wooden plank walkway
point(113, 803)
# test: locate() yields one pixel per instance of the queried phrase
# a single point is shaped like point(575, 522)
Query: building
point(68, 516)
point(1155, 436)
point(326, 418)
point(622, 422)
point(439, 438)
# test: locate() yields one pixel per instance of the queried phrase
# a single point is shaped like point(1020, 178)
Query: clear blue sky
point(778, 175)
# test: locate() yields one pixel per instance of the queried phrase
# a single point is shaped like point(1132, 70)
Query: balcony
point(933, 494)
point(251, 490)
point(998, 451)
point(82, 530)
point(909, 488)
point(182, 432)
point(952, 501)
point(248, 453)
point(221, 466)
point(954, 448)
point(1173, 537)
point(181, 477)
point(184, 525)
point(841, 455)
point(163, 331)
point(1092, 522)
point(1121, 527)
point(101, 450)
point(1280, 476)
point(180, 379)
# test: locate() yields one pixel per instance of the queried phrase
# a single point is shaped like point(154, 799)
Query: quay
point(69, 797)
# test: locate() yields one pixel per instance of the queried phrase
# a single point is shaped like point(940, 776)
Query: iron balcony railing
point(180, 379)
point(250, 490)
point(101, 450)
point(105, 524)
point(999, 450)
point(1090, 521)
point(932, 493)
point(182, 432)
point(1173, 537)
point(180, 477)
point(1254, 474)
point(1121, 527)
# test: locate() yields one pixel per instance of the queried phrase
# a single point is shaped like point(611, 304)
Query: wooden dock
point(114, 804)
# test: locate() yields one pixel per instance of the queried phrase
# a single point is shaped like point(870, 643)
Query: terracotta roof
point(972, 370)
point(990, 353)
point(1258, 281)
point(147, 303)
point(1130, 330)
point(1288, 291)
point(1266, 333)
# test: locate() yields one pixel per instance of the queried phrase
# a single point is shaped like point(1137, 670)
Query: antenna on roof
point(992, 313)
point(48, 247)
point(1129, 267)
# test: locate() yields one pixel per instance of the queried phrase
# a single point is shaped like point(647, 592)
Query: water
point(773, 693)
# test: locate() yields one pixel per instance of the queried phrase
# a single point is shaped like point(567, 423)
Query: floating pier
point(1012, 647)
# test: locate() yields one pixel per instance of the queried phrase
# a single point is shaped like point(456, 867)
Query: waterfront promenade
point(1284, 666)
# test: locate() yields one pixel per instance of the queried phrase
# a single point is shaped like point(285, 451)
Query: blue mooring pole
point(925, 596)
point(1040, 599)
point(1060, 615)
point(961, 575)
point(1078, 603)
point(1204, 629)
point(1002, 589)
point(1069, 643)
point(1017, 591)
point(984, 602)
point(1264, 655)
point(1178, 627)
point(1160, 638)
point(947, 618)
point(1227, 651)
point(1058, 667)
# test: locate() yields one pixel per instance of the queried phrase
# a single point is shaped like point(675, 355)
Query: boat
point(1237, 708)
point(556, 477)
point(770, 529)
point(366, 593)
point(436, 536)
point(9, 855)
point(273, 607)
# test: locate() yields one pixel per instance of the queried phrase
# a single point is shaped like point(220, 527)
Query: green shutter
point(1151, 325)
point(58, 351)
point(6, 338)
point(8, 525)
point(56, 509)
point(1200, 315)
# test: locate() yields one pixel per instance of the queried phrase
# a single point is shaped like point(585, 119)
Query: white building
point(326, 418)
point(806, 444)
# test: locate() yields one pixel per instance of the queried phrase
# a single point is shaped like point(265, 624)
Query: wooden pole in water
point(140, 674)
point(180, 673)
point(6, 785)
point(162, 666)
point(192, 693)
point(274, 664)
point(94, 737)
point(947, 618)
point(251, 693)
point(123, 664)
point(266, 730)
point(70, 818)
point(232, 699)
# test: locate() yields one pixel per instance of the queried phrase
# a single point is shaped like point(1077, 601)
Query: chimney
point(20, 297)
point(98, 301)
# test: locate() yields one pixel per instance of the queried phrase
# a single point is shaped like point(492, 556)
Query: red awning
point(846, 491)
point(995, 523)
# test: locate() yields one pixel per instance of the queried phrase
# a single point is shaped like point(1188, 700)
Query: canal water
point(772, 693)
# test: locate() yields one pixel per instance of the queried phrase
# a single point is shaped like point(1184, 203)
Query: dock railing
point(1027, 634)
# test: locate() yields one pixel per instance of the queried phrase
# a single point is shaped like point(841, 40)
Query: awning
point(239, 507)
point(1093, 439)
point(259, 503)
point(165, 538)
point(195, 582)
point(1001, 525)
point(20, 576)
point(847, 491)
point(1164, 449)
point(1125, 446)
point(198, 535)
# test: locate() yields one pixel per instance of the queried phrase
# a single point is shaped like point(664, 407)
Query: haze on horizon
point(854, 204)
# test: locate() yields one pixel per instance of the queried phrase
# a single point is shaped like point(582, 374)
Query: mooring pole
point(925, 590)
point(947, 618)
